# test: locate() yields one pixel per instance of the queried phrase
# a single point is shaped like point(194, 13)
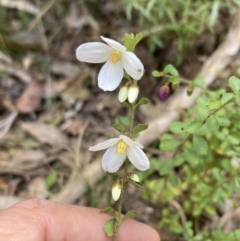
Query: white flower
point(117, 59)
point(118, 149)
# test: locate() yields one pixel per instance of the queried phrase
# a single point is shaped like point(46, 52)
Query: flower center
point(115, 56)
point(121, 147)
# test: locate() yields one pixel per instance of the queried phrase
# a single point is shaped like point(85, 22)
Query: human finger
point(42, 220)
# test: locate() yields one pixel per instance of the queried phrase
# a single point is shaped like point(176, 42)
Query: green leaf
point(223, 120)
point(125, 104)
point(170, 69)
point(232, 140)
point(200, 145)
point(199, 81)
point(178, 161)
point(168, 143)
point(109, 227)
point(139, 128)
point(126, 76)
point(214, 104)
point(193, 126)
point(217, 173)
point(156, 73)
point(174, 80)
point(202, 113)
point(214, 13)
point(236, 181)
point(137, 184)
point(178, 127)
point(202, 100)
point(210, 210)
point(234, 83)
point(130, 214)
point(165, 167)
point(226, 97)
point(190, 156)
point(143, 101)
point(51, 179)
point(212, 123)
point(123, 120)
point(237, 98)
point(202, 131)
point(156, 185)
point(119, 128)
point(199, 237)
point(130, 41)
point(173, 178)
point(109, 211)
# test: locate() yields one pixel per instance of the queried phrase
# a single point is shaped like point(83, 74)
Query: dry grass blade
point(76, 184)
point(30, 99)
point(45, 133)
point(20, 5)
point(6, 124)
point(17, 72)
point(41, 13)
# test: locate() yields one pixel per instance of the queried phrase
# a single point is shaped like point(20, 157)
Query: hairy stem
point(124, 179)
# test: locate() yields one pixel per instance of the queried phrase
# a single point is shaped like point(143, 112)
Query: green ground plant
point(181, 21)
point(202, 172)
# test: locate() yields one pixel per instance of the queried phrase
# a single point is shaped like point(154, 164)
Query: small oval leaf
point(109, 227)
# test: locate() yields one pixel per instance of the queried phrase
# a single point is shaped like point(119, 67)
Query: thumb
point(41, 220)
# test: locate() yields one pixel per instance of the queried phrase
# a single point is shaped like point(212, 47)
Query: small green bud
point(135, 177)
point(190, 89)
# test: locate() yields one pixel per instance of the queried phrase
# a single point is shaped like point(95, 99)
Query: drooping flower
point(163, 92)
point(117, 60)
point(118, 149)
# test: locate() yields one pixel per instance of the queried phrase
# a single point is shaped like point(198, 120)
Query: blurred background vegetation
point(52, 111)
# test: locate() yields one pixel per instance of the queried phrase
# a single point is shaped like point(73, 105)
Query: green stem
point(132, 119)
point(124, 180)
point(120, 202)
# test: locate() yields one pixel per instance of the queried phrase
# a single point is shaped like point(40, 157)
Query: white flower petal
point(130, 142)
point(133, 65)
point(93, 52)
point(104, 145)
point(114, 44)
point(138, 158)
point(110, 76)
point(112, 161)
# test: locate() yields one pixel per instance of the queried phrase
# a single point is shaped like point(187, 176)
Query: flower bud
point(163, 92)
point(116, 191)
point(135, 177)
point(189, 89)
point(133, 93)
point(123, 94)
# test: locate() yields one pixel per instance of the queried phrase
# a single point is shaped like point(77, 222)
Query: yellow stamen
point(115, 56)
point(121, 147)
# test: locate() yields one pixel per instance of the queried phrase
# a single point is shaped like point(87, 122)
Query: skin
point(42, 220)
